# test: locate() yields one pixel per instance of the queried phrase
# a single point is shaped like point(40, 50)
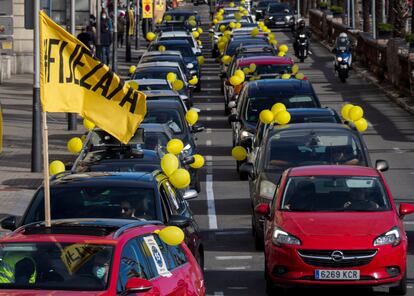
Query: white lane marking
point(409, 287)
point(208, 143)
point(211, 207)
point(409, 222)
point(234, 257)
point(411, 173)
point(209, 157)
point(397, 150)
point(232, 232)
point(208, 130)
point(208, 109)
point(209, 118)
point(218, 294)
point(237, 267)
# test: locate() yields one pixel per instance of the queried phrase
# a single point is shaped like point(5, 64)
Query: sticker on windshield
point(298, 99)
point(157, 256)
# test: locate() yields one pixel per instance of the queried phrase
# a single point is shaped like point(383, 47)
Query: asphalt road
point(233, 266)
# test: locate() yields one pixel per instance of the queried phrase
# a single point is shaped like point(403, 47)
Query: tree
point(401, 13)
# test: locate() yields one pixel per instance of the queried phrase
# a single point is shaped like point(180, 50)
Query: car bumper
point(278, 24)
point(297, 272)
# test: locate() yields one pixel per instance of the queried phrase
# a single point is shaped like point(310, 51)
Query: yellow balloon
point(226, 59)
point(75, 145)
point(56, 167)
point(231, 4)
point(238, 25)
point(238, 16)
point(286, 76)
point(133, 84)
point(232, 25)
point(239, 153)
point(219, 18)
point(266, 116)
point(192, 18)
point(283, 48)
point(222, 28)
point(199, 42)
point(192, 23)
point(276, 108)
point(221, 10)
point(169, 164)
point(89, 125)
point(281, 54)
point(235, 80)
point(200, 30)
point(245, 12)
point(295, 69)
point(161, 48)
point(168, 18)
point(246, 70)
point(240, 73)
point(150, 36)
point(171, 235)
point(227, 34)
point(175, 146)
point(191, 116)
point(221, 45)
point(355, 113)
point(171, 77)
point(282, 117)
point(180, 179)
point(271, 36)
point(300, 76)
point(195, 34)
point(215, 21)
point(200, 60)
point(252, 67)
point(345, 111)
point(177, 85)
point(273, 42)
point(193, 80)
point(132, 69)
point(83, 138)
point(254, 32)
point(198, 161)
point(361, 125)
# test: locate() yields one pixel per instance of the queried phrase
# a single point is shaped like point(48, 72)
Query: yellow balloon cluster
point(281, 115)
point(176, 84)
point(56, 167)
point(283, 48)
point(355, 114)
point(171, 77)
point(238, 78)
point(239, 153)
point(191, 116)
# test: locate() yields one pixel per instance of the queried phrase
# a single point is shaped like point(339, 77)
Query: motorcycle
point(302, 43)
point(343, 60)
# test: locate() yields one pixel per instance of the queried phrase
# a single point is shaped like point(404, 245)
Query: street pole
point(348, 12)
point(353, 14)
point(36, 153)
point(115, 39)
point(127, 43)
point(98, 29)
point(374, 22)
point(72, 118)
point(137, 26)
point(384, 20)
point(298, 8)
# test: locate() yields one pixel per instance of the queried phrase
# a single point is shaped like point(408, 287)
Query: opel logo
point(337, 256)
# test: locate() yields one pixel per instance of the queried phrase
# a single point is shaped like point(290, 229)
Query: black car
point(261, 8)
point(242, 41)
point(182, 15)
point(300, 144)
point(279, 15)
point(263, 94)
point(137, 196)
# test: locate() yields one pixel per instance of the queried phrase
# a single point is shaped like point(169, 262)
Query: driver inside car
point(359, 201)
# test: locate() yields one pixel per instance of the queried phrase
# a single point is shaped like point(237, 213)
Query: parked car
point(334, 226)
point(96, 257)
point(152, 84)
point(279, 15)
point(182, 15)
point(104, 195)
point(180, 35)
point(260, 8)
point(170, 95)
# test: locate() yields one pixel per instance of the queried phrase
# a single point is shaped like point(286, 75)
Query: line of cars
point(321, 209)
point(112, 204)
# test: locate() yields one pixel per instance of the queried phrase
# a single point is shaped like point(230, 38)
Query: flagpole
point(46, 184)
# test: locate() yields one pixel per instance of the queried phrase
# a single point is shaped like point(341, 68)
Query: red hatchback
point(96, 257)
point(334, 225)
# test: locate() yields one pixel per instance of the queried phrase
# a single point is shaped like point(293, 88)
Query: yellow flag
point(72, 80)
point(131, 22)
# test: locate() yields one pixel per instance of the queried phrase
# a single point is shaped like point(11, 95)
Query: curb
point(393, 95)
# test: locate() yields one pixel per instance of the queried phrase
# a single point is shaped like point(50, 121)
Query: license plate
point(280, 23)
point(332, 275)
point(344, 66)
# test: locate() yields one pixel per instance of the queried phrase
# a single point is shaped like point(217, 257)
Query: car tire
point(401, 289)
point(258, 240)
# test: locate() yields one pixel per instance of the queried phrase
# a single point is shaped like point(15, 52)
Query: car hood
point(336, 229)
point(279, 14)
point(12, 292)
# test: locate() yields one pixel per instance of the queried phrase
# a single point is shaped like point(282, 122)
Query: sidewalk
point(17, 183)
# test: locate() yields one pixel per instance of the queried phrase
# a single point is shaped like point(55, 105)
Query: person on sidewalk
point(121, 28)
point(106, 39)
point(85, 38)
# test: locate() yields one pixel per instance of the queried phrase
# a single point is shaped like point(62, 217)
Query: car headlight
point(288, 17)
point(190, 65)
point(246, 134)
point(392, 237)
point(270, 17)
point(281, 237)
point(267, 189)
point(339, 59)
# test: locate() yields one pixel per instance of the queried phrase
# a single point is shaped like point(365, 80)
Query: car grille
point(324, 258)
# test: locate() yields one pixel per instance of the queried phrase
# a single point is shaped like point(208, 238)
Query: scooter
point(343, 61)
point(302, 47)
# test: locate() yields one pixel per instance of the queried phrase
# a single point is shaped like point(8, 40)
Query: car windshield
point(234, 44)
point(152, 140)
point(95, 201)
point(271, 69)
point(300, 118)
point(335, 194)
point(188, 38)
point(55, 266)
point(292, 148)
point(179, 17)
point(171, 117)
point(263, 4)
point(278, 9)
point(256, 105)
point(147, 87)
point(184, 49)
point(156, 73)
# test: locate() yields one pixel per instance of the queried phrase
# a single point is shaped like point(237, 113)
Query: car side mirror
point(381, 165)
point(197, 128)
point(132, 69)
point(190, 194)
point(137, 285)
point(232, 104)
point(405, 209)
point(211, 30)
point(179, 221)
point(248, 169)
point(9, 223)
point(233, 118)
point(262, 209)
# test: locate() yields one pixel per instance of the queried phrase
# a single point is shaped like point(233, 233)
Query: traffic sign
point(147, 11)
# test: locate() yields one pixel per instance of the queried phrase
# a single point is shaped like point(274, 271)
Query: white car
point(181, 35)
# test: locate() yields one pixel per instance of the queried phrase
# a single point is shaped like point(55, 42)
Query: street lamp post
point(127, 43)
point(72, 118)
point(114, 39)
point(298, 8)
point(98, 29)
point(374, 21)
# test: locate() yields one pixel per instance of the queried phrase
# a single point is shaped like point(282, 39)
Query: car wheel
point(401, 289)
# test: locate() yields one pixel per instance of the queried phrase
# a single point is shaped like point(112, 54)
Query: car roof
point(158, 64)
point(174, 34)
point(333, 170)
point(95, 231)
point(311, 126)
point(173, 41)
point(149, 81)
point(312, 111)
point(265, 60)
point(158, 53)
point(289, 84)
point(161, 93)
point(166, 104)
point(102, 156)
point(181, 11)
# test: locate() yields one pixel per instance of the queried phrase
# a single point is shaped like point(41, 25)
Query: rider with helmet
point(343, 44)
point(300, 29)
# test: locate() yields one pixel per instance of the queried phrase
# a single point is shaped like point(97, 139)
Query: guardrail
point(387, 59)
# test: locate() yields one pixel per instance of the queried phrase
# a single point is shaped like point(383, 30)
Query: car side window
point(173, 255)
point(240, 100)
point(133, 264)
point(171, 198)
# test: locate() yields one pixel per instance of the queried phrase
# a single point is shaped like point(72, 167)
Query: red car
point(334, 225)
point(96, 257)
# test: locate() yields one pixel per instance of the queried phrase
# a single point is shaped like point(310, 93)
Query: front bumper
point(297, 272)
point(275, 23)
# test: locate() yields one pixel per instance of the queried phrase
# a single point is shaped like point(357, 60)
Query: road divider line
point(208, 143)
point(235, 232)
point(218, 294)
point(234, 257)
point(237, 267)
point(211, 206)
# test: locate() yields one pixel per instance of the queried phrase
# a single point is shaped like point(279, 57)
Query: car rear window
point(171, 117)
point(271, 69)
point(149, 87)
point(156, 73)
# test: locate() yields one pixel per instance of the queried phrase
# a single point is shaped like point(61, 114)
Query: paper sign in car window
point(76, 255)
point(157, 256)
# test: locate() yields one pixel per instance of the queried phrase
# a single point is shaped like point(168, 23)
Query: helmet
point(343, 35)
point(301, 22)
